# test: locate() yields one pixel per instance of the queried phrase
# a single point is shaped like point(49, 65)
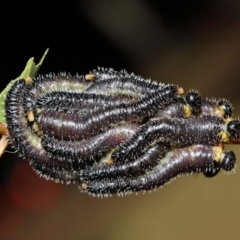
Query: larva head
point(233, 128)
point(227, 108)
point(228, 162)
point(194, 100)
point(212, 170)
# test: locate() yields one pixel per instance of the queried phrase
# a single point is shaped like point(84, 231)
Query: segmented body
point(115, 132)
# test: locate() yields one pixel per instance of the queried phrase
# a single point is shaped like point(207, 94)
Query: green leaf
point(31, 71)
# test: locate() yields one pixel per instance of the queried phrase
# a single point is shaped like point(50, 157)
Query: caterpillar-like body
point(135, 168)
point(115, 132)
point(193, 159)
point(178, 132)
point(88, 150)
point(27, 143)
point(65, 125)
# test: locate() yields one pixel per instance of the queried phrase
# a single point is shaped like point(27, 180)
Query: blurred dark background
point(195, 44)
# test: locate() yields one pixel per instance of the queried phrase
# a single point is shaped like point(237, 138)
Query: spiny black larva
point(43, 85)
point(55, 173)
point(178, 132)
point(21, 136)
point(130, 86)
point(192, 104)
point(85, 108)
point(67, 101)
point(69, 126)
point(191, 159)
point(14, 114)
point(131, 169)
point(88, 152)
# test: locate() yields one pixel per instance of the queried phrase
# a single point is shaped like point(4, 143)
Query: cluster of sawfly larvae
point(117, 133)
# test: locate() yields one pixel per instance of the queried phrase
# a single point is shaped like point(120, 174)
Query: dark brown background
point(195, 44)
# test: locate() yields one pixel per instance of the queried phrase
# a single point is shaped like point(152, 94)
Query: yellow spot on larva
point(187, 111)
point(221, 111)
point(84, 186)
point(36, 129)
point(28, 80)
point(30, 116)
point(180, 90)
point(90, 76)
point(227, 120)
point(223, 136)
point(109, 161)
point(217, 153)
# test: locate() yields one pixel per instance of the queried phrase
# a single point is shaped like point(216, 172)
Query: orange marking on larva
point(36, 129)
point(84, 186)
point(227, 120)
point(187, 111)
point(90, 76)
point(109, 161)
point(180, 90)
point(28, 80)
point(224, 137)
point(30, 116)
point(217, 153)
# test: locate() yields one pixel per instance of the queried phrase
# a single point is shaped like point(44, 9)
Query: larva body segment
point(22, 138)
point(220, 108)
point(65, 101)
point(131, 169)
point(69, 126)
point(174, 110)
point(41, 86)
point(193, 159)
point(178, 132)
point(130, 86)
point(90, 150)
